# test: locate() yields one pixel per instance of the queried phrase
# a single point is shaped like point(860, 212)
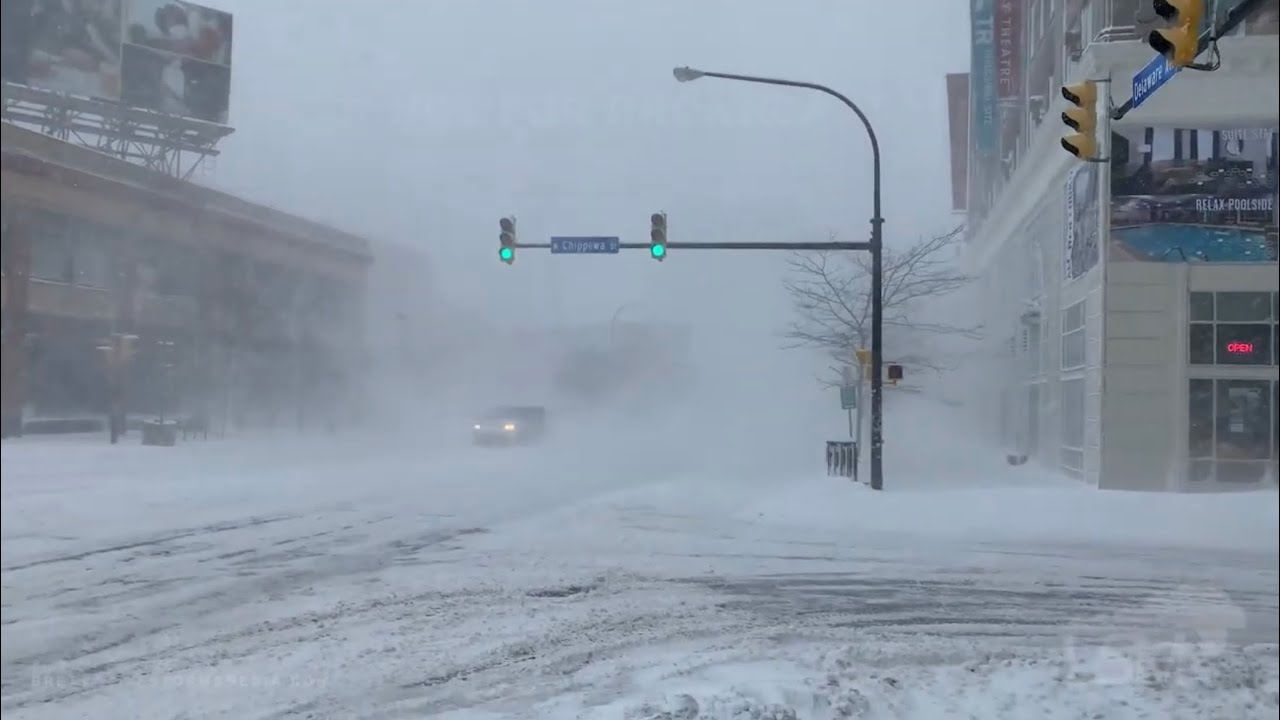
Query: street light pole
point(686, 74)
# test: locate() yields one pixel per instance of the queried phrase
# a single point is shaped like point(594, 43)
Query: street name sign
point(848, 397)
point(588, 245)
point(1150, 78)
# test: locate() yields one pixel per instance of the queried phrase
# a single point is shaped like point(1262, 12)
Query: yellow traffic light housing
point(1082, 118)
point(864, 359)
point(1181, 41)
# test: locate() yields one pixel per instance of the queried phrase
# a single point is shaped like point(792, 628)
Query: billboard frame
point(169, 144)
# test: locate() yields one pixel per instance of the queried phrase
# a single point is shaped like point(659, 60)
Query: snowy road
point(336, 583)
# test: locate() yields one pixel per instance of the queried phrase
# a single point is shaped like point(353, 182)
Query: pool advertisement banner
point(1193, 195)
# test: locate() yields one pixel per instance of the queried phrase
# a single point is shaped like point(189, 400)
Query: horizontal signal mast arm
point(734, 246)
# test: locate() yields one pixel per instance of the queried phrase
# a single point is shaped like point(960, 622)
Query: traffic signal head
point(507, 253)
point(1082, 117)
point(658, 236)
point(1181, 40)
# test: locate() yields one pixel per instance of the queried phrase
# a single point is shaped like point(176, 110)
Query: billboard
point(176, 58)
point(958, 125)
point(1193, 194)
point(69, 46)
point(164, 55)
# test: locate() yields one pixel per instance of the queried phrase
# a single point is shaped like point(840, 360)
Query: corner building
point(1130, 307)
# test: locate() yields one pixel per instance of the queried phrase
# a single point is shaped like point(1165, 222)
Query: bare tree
point(831, 294)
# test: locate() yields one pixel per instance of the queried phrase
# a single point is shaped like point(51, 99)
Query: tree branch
point(831, 298)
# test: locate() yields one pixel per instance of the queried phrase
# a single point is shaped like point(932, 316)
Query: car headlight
point(475, 427)
point(509, 427)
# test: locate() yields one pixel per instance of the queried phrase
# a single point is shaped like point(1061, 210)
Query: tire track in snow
point(154, 540)
point(79, 657)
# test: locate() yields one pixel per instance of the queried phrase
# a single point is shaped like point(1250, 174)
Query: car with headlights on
point(510, 425)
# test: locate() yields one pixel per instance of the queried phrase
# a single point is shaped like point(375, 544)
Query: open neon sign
point(1240, 348)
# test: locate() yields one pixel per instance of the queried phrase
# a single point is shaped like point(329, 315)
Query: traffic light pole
point(686, 74)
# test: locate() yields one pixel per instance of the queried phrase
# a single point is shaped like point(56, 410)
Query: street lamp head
point(685, 74)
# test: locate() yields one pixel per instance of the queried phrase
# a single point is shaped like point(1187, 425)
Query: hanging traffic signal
point(507, 253)
point(1082, 118)
point(658, 236)
point(1181, 41)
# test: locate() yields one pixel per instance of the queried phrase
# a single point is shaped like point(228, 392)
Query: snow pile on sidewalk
point(949, 679)
point(1068, 515)
point(944, 483)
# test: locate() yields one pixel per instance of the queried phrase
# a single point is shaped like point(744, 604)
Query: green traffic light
point(506, 254)
point(658, 251)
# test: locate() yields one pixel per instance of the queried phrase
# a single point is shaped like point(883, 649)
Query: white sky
point(424, 121)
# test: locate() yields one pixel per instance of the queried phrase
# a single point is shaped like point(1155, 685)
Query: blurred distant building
point(241, 312)
point(1130, 307)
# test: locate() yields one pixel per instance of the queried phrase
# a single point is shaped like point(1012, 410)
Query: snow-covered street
point(357, 578)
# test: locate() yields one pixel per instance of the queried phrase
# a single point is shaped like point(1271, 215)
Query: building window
point(1232, 328)
point(167, 268)
point(92, 249)
point(1033, 333)
point(67, 250)
point(51, 257)
point(1073, 337)
point(4, 241)
point(1073, 425)
point(1231, 430)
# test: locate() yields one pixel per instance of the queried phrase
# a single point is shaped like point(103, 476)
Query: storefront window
point(1073, 337)
point(1232, 328)
point(1073, 425)
point(1232, 430)
point(1200, 437)
point(1201, 307)
point(1242, 306)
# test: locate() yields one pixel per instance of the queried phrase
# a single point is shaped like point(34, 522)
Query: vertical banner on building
point(1083, 222)
point(1009, 54)
point(958, 126)
point(984, 129)
point(1010, 81)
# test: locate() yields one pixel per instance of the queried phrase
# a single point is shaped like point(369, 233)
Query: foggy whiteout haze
point(469, 510)
point(422, 123)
